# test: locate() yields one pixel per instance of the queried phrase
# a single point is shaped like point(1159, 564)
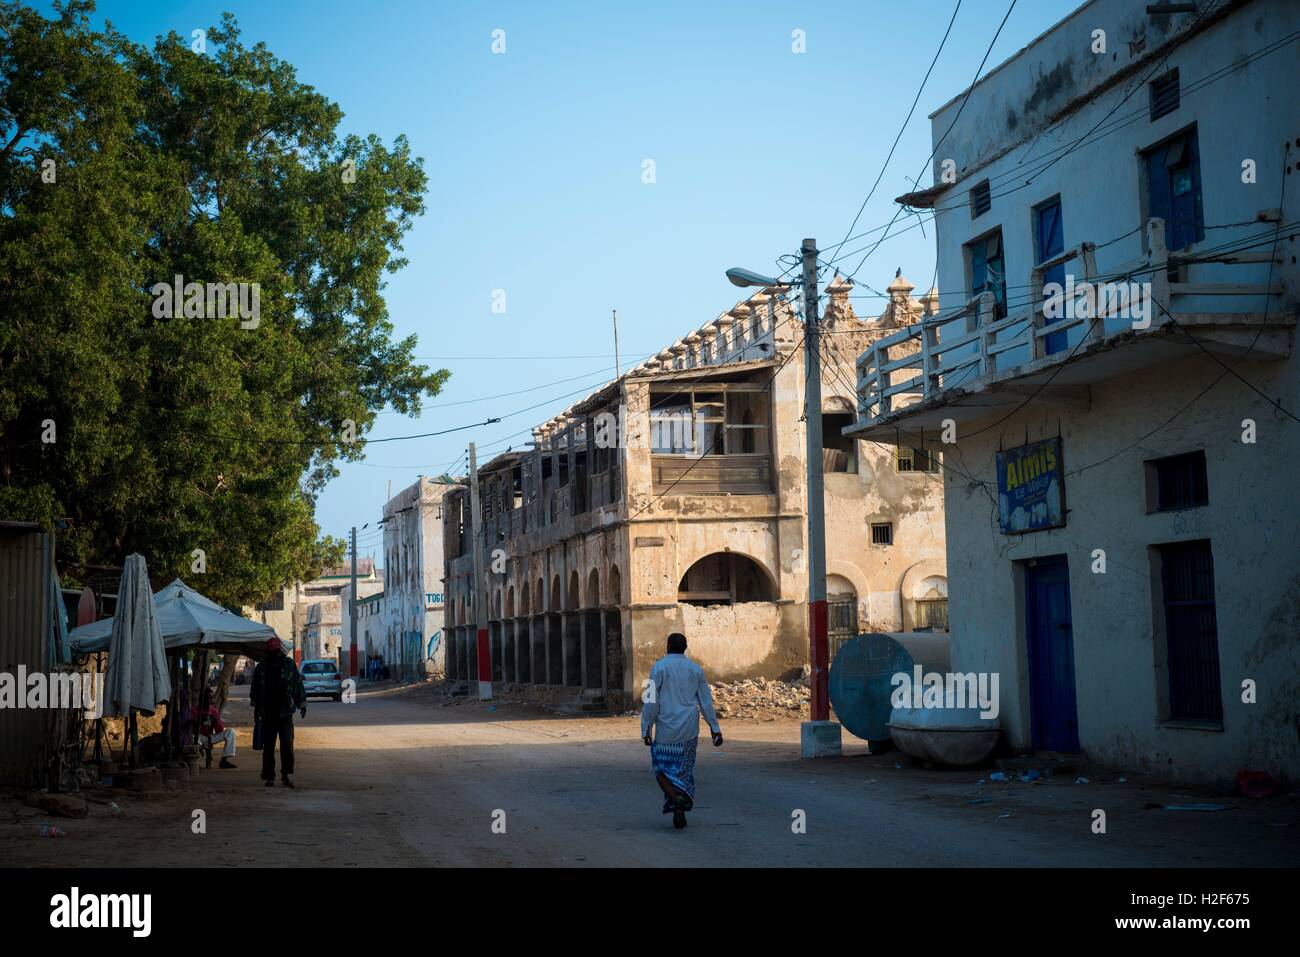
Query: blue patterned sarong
point(676, 761)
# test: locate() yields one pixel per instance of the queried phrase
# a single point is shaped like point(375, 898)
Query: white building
point(323, 631)
point(370, 591)
point(413, 592)
point(1121, 497)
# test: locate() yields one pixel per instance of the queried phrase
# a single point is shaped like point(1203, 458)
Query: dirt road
point(402, 779)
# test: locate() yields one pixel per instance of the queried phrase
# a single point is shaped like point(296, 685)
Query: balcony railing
point(969, 346)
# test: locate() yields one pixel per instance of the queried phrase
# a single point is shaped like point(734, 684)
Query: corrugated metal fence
point(26, 576)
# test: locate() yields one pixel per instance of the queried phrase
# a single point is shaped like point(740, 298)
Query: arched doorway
point(841, 612)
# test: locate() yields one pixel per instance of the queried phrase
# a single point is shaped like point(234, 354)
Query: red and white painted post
point(819, 737)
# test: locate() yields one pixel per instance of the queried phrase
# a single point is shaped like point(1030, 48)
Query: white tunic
point(675, 698)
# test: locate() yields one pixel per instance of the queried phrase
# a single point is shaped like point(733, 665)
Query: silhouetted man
point(276, 693)
point(673, 701)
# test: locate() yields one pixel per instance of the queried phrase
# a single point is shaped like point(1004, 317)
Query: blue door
point(1049, 240)
point(1053, 714)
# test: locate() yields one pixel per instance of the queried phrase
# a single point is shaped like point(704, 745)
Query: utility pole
point(352, 608)
point(819, 737)
point(478, 543)
point(617, 365)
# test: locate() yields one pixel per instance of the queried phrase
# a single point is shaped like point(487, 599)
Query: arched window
point(724, 578)
point(614, 593)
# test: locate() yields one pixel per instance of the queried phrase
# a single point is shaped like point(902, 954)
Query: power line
point(939, 142)
point(1041, 163)
point(916, 99)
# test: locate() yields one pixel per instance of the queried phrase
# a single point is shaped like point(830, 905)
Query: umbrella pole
point(135, 740)
point(176, 720)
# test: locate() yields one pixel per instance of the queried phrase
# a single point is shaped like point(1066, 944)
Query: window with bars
point(882, 533)
point(274, 603)
point(1178, 482)
point(908, 459)
point(1190, 632)
point(841, 621)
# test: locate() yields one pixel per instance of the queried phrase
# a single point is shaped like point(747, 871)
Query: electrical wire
point(916, 99)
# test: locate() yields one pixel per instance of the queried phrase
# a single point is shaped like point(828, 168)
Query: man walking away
point(673, 700)
point(276, 693)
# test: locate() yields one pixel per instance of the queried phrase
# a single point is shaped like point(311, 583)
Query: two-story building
point(673, 499)
point(1113, 384)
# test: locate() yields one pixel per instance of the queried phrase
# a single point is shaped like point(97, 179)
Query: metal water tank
point(863, 669)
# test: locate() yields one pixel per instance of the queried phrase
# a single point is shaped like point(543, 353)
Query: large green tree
point(171, 434)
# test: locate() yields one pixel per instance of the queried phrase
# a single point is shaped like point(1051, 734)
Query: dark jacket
point(295, 695)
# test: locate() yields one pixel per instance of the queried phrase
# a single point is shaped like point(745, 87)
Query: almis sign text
point(1031, 487)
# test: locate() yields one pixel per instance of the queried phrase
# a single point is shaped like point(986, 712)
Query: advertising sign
point(1031, 487)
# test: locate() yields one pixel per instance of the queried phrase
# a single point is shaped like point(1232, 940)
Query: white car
point(321, 678)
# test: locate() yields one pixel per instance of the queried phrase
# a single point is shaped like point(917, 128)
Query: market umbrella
point(187, 620)
point(137, 678)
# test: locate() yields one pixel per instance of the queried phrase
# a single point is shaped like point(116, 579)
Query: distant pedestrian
point(276, 693)
point(673, 700)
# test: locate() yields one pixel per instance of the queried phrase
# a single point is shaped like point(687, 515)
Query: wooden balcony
point(970, 364)
point(711, 474)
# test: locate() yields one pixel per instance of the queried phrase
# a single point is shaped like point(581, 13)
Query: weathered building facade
point(413, 592)
point(673, 499)
point(1120, 252)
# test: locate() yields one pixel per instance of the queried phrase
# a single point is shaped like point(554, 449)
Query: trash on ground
point(1081, 780)
point(998, 776)
point(50, 830)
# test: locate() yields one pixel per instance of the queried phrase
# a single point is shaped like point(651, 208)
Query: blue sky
point(535, 162)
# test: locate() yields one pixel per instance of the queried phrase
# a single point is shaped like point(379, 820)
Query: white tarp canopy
point(187, 619)
point(137, 676)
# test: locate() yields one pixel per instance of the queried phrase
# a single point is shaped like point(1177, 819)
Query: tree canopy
point(166, 434)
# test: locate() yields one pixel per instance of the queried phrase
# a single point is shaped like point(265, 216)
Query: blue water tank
point(863, 669)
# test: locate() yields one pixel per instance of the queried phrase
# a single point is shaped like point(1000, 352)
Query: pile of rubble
point(762, 698)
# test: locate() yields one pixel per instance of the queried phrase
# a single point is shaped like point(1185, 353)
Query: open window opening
point(724, 578)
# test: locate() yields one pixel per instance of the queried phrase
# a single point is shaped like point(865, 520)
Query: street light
point(819, 737)
point(745, 277)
